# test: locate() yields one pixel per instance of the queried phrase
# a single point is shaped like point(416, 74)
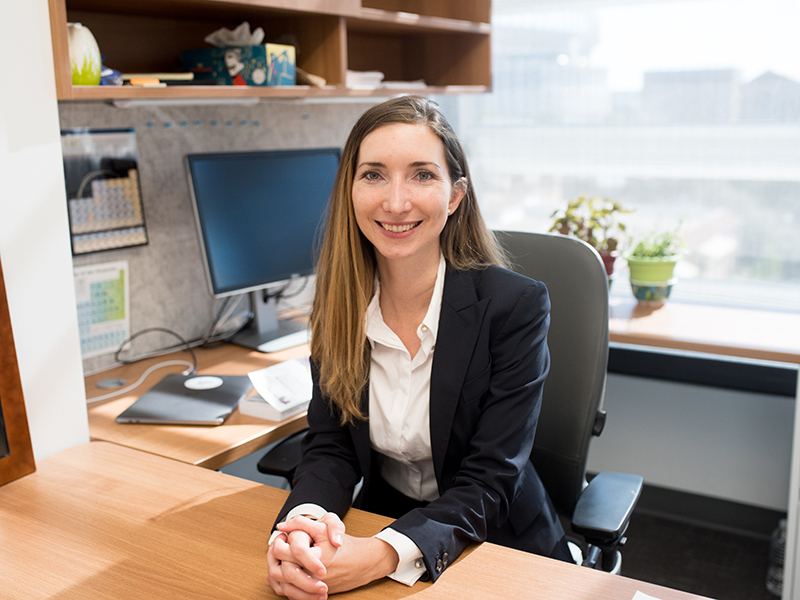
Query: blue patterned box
point(267, 64)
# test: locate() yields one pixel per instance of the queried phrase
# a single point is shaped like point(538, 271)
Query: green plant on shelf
point(665, 244)
point(593, 220)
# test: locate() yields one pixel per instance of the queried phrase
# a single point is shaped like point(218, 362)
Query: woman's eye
point(371, 176)
point(425, 175)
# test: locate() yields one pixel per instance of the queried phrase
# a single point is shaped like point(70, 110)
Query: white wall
point(34, 233)
point(713, 442)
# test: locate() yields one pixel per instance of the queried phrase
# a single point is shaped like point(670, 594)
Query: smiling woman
point(428, 363)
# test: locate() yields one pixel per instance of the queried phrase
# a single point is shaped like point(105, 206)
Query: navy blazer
point(489, 367)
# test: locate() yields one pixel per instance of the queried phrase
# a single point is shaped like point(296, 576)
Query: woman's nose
point(397, 198)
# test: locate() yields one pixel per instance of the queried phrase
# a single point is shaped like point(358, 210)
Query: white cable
point(169, 363)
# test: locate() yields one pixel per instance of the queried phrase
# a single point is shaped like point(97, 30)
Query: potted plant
point(596, 222)
point(652, 265)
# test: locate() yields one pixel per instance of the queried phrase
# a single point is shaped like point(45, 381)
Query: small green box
point(267, 64)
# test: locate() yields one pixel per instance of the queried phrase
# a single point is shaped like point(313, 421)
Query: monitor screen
point(259, 214)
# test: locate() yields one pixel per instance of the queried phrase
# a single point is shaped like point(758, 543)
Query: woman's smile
point(399, 228)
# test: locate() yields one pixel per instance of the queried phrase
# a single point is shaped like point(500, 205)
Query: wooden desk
point(745, 333)
point(100, 521)
point(208, 447)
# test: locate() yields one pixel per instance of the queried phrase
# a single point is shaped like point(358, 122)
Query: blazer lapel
point(459, 326)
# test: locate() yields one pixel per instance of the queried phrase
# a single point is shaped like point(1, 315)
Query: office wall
point(34, 245)
point(721, 443)
point(167, 282)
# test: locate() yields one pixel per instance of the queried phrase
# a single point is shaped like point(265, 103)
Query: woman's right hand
point(305, 548)
point(289, 578)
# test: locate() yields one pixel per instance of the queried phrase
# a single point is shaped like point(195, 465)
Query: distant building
point(771, 97)
point(702, 96)
point(542, 76)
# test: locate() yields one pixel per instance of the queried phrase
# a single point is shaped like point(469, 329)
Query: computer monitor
point(260, 218)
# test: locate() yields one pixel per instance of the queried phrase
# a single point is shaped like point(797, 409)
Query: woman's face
point(402, 192)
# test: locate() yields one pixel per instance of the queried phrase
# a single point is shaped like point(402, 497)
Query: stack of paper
point(364, 80)
point(284, 390)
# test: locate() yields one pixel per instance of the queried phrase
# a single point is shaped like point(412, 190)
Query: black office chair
point(573, 392)
point(572, 399)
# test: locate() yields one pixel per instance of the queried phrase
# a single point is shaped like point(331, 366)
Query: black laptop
point(188, 400)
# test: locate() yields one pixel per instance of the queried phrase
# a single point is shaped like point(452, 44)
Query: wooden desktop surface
point(208, 447)
point(728, 331)
point(104, 521)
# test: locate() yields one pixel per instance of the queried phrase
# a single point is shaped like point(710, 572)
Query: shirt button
point(424, 328)
point(418, 564)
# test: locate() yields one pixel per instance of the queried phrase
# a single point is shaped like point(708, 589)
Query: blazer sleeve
point(329, 470)
point(491, 475)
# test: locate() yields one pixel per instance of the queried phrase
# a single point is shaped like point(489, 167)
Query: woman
point(442, 438)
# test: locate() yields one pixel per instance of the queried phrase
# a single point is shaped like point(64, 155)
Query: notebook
point(188, 400)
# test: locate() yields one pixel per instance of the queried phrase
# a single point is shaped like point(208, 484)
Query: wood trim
point(58, 35)
point(13, 418)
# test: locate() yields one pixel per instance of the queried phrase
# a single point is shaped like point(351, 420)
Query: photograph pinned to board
point(102, 294)
point(103, 193)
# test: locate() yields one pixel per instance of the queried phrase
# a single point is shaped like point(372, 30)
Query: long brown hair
point(346, 266)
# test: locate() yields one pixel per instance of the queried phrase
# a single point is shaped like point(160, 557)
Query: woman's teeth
point(399, 228)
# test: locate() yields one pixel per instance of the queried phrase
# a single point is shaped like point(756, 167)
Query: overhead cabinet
point(446, 43)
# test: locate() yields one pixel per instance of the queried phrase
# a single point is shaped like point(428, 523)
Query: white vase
point(84, 55)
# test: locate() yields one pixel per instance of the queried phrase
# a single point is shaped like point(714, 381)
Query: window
point(686, 111)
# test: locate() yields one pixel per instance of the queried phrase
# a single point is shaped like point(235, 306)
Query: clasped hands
point(310, 559)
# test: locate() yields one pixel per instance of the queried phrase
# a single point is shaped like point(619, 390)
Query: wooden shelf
point(738, 332)
point(444, 42)
point(96, 92)
point(381, 21)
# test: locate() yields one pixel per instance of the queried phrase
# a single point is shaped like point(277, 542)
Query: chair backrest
point(578, 342)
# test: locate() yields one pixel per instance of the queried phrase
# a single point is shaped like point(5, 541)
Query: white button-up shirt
point(399, 399)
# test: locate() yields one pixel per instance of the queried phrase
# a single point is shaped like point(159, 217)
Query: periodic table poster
point(103, 193)
point(102, 295)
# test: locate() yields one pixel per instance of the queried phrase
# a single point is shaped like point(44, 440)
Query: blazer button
point(439, 566)
point(445, 558)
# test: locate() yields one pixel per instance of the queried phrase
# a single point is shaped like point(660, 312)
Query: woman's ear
point(457, 195)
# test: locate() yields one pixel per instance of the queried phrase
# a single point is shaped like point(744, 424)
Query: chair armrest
point(605, 507)
point(283, 458)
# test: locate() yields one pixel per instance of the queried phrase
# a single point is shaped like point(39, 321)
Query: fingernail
point(338, 539)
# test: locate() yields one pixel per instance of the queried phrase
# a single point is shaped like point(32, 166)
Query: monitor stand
point(267, 333)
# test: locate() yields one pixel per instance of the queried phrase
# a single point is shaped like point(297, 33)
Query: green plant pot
point(652, 278)
point(654, 270)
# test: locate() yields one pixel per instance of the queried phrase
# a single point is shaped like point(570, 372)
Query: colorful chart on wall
point(103, 193)
point(102, 294)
